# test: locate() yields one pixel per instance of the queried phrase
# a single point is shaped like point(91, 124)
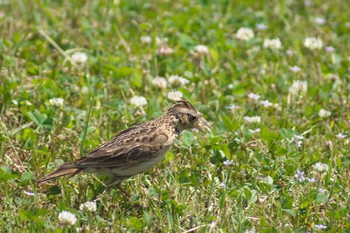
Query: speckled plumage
point(137, 148)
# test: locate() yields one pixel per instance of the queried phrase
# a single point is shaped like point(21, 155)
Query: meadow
point(271, 77)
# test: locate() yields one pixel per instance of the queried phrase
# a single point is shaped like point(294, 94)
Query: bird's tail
point(65, 169)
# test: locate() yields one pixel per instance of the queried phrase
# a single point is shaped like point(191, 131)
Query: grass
point(273, 181)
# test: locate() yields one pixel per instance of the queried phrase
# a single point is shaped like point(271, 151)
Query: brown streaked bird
point(137, 148)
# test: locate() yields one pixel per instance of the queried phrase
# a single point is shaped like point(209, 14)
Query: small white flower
point(322, 190)
point(299, 143)
point(257, 130)
point(89, 206)
point(340, 135)
point(253, 96)
point(320, 20)
point(253, 119)
point(330, 49)
point(228, 162)
point(57, 102)
point(177, 80)
point(175, 95)
point(138, 101)
point(297, 137)
point(201, 49)
point(67, 218)
point(165, 50)
point(245, 34)
point(320, 226)
point(298, 87)
point(298, 140)
point(299, 176)
point(232, 107)
point(321, 167)
point(272, 43)
point(289, 52)
point(159, 82)
point(324, 113)
point(84, 90)
point(266, 103)
point(79, 57)
point(222, 185)
point(295, 69)
point(311, 180)
point(313, 43)
point(146, 39)
point(261, 26)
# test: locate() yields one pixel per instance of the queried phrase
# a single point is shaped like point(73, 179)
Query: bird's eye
point(192, 118)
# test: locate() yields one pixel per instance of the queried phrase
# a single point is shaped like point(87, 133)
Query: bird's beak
point(202, 125)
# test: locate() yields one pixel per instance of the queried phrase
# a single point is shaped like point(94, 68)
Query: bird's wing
point(129, 146)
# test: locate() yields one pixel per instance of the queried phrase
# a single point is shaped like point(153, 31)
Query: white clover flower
point(253, 119)
point(261, 26)
point(320, 20)
point(201, 49)
point(57, 102)
point(89, 206)
point(165, 50)
point(311, 180)
point(313, 43)
point(330, 49)
point(299, 176)
point(146, 39)
point(232, 107)
point(266, 103)
point(272, 43)
point(245, 34)
point(84, 90)
point(257, 130)
point(67, 218)
point(297, 137)
point(320, 226)
point(340, 135)
point(321, 167)
point(298, 140)
point(159, 82)
point(79, 57)
point(253, 96)
point(228, 162)
point(324, 113)
point(298, 87)
point(178, 80)
point(222, 185)
point(289, 52)
point(175, 95)
point(294, 69)
point(322, 190)
point(138, 101)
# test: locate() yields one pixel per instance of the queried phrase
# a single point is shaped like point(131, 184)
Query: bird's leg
point(115, 181)
point(122, 190)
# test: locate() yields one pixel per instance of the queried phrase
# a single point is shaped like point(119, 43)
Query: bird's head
point(188, 117)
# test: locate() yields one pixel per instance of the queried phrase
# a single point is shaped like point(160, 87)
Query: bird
point(136, 149)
